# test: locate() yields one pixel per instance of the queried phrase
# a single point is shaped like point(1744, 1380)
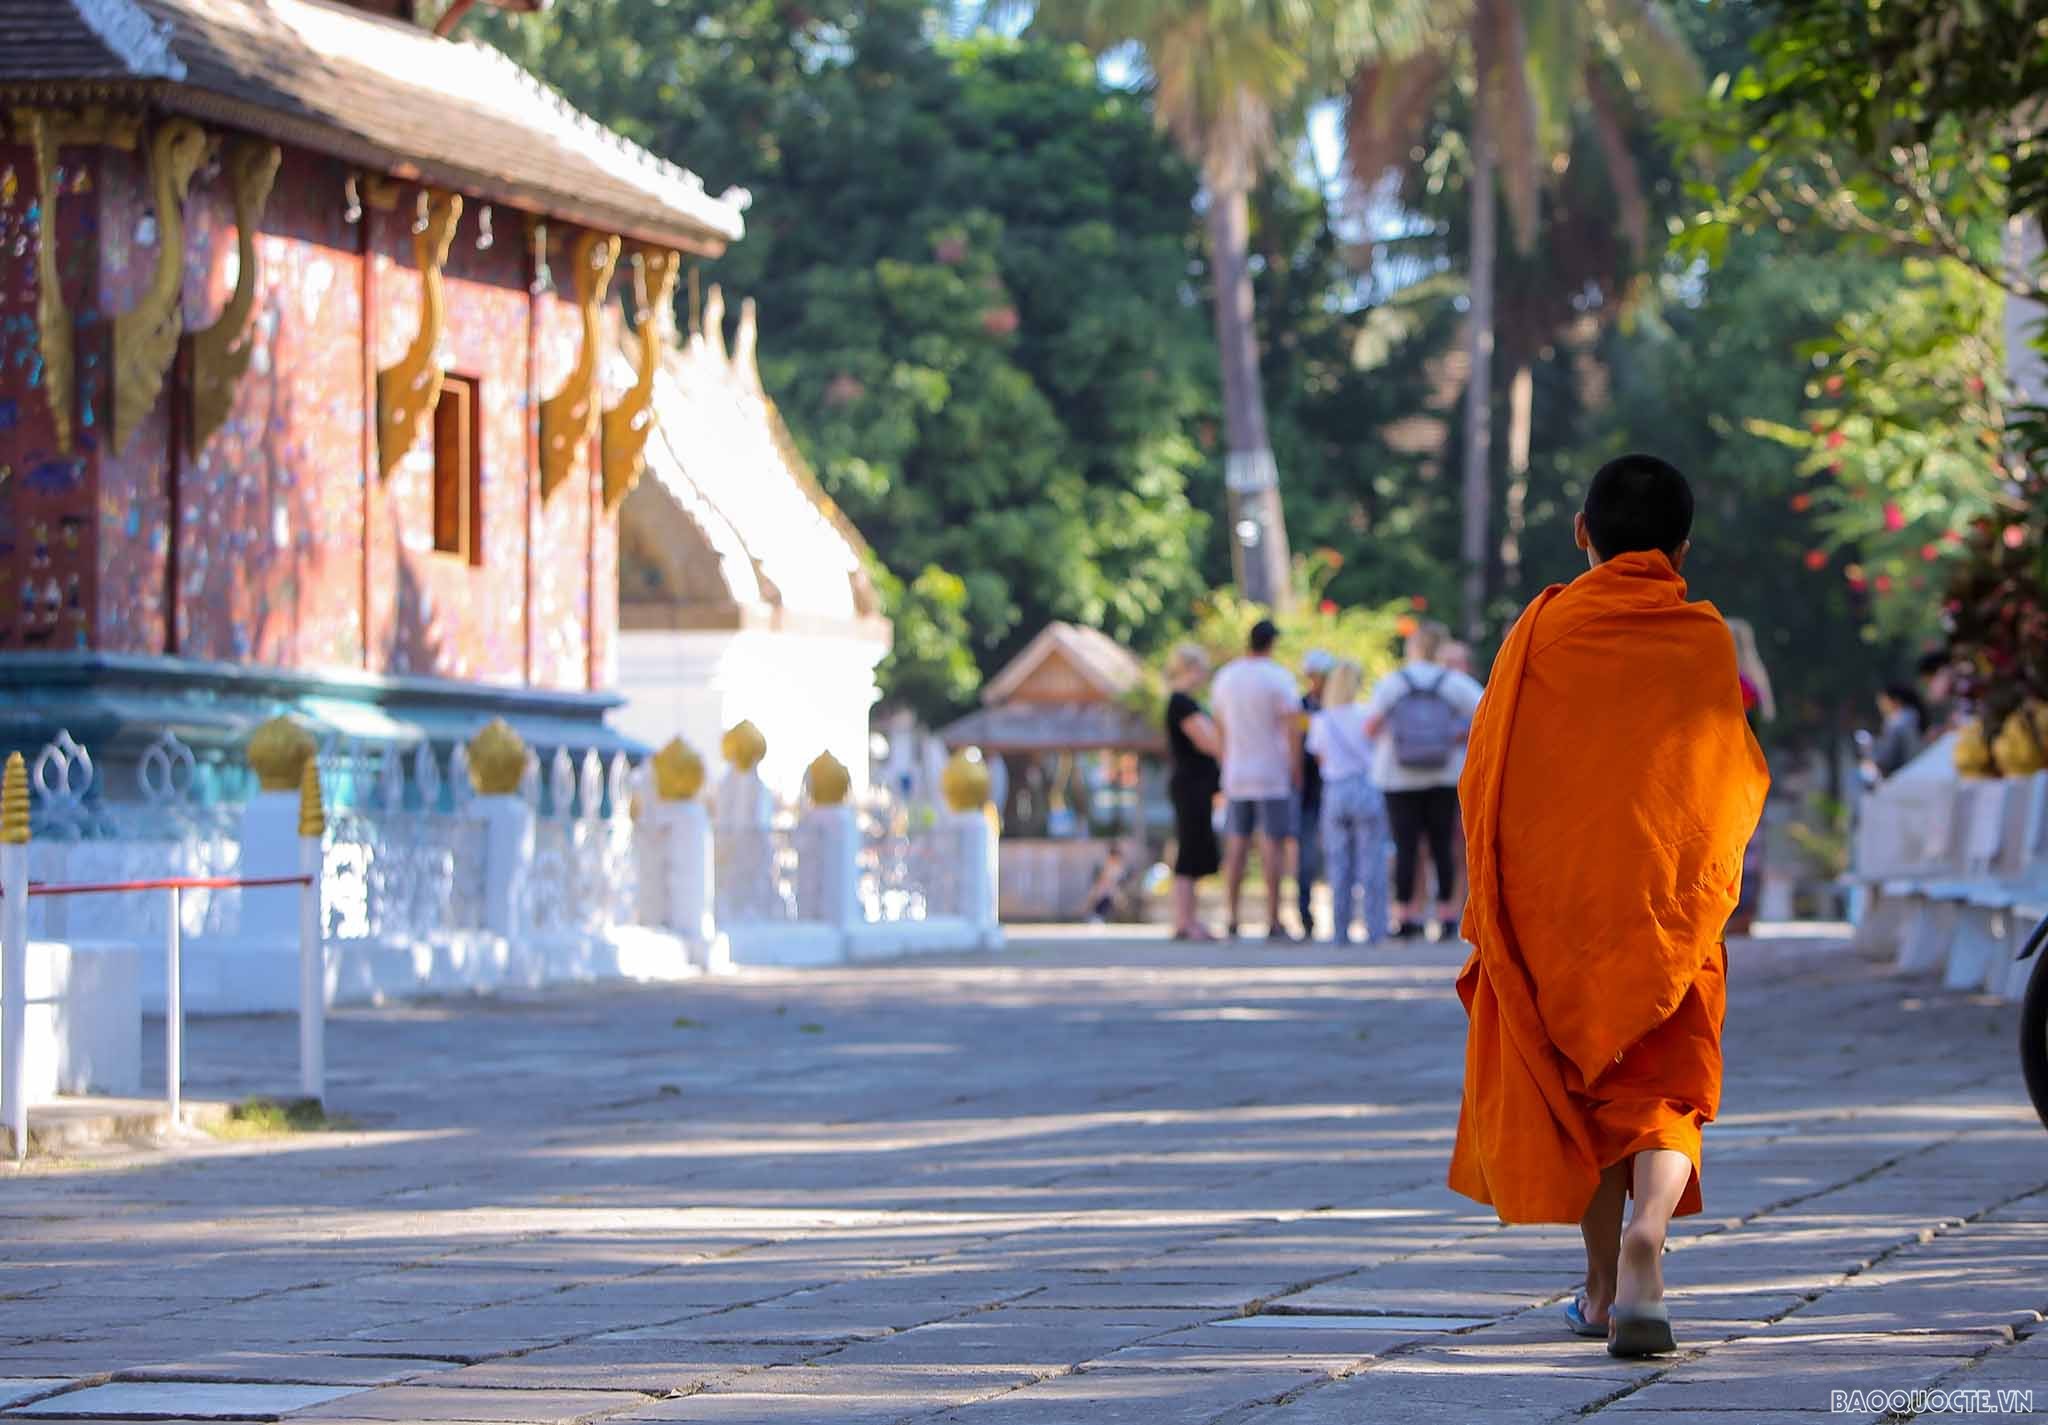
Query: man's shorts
point(1273, 817)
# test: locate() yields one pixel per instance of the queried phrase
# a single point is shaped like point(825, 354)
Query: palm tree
point(1225, 75)
point(1531, 69)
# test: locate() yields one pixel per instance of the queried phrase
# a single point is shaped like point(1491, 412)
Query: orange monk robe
point(1611, 785)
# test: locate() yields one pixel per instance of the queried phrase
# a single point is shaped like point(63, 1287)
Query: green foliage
point(1223, 621)
point(971, 261)
point(1903, 444)
point(274, 1118)
point(1913, 128)
point(1714, 358)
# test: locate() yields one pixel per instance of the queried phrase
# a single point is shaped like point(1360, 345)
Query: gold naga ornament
point(497, 760)
point(628, 425)
point(146, 336)
point(278, 753)
point(409, 389)
point(1973, 751)
point(221, 353)
point(965, 782)
point(569, 418)
point(743, 746)
point(678, 772)
point(828, 780)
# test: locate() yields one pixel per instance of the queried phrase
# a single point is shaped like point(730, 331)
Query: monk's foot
point(1640, 1278)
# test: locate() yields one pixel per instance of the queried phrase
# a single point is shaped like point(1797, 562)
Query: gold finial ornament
point(964, 784)
point(678, 772)
point(278, 752)
point(743, 746)
point(1973, 751)
point(828, 780)
point(497, 759)
point(312, 811)
point(2021, 747)
point(14, 802)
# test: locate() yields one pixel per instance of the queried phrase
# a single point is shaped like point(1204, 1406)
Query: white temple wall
point(808, 693)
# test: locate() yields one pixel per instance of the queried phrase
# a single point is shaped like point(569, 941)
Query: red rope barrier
point(167, 883)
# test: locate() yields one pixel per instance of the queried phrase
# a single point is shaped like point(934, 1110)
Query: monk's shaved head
point(1638, 503)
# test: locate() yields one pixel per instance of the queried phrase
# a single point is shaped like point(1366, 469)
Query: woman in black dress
point(1192, 741)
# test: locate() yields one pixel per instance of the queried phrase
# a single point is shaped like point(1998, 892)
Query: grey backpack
point(1423, 725)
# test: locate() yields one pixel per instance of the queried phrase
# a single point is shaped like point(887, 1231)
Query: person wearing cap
point(1316, 667)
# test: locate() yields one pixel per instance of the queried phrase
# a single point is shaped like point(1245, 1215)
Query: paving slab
point(213, 1400)
point(1040, 1187)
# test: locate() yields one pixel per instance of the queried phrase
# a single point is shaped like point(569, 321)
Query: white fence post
point(975, 844)
point(312, 946)
point(498, 773)
point(14, 951)
point(828, 870)
point(174, 1009)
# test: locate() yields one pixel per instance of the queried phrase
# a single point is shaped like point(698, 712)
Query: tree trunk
point(1521, 417)
point(1258, 531)
point(1479, 384)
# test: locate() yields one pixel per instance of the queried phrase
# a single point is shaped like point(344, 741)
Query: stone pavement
point(1090, 1180)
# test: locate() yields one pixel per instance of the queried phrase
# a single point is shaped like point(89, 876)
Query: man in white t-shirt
point(1421, 716)
point(1257, 710)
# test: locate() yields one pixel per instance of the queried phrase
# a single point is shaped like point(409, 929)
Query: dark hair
point(1908, 696)
point(1264, 636)
point(1932, 662)
point(1638, 503)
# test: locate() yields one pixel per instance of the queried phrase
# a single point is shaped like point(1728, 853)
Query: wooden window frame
point(458, 490)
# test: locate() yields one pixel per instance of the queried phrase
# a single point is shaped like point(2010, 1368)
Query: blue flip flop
point(1575, 1318)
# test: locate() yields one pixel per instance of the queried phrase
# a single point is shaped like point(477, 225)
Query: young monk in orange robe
point(1610, 788)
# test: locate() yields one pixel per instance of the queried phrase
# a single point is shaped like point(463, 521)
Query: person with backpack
point(1420, 716)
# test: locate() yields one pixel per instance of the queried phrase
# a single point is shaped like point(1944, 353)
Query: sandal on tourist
point(1641, 1331)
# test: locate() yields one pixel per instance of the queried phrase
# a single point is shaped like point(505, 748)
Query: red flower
point(999, 321)
point(950, 250)
point(1834, 385)
point(2014, 536)
point(1802, 501)
point(1816, 427)
point(1930, 552)
point(1857, 583)
point(1418, 603)
point(1975, 383)
point(1328, 606)
point(1816, 559)
point(1836, 440)
point(1884, 583)
point(1894, 517)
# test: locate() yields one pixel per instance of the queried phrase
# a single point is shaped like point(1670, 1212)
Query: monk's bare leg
point(1601, 1227)
point(1660, 1178)
point(1236, 849)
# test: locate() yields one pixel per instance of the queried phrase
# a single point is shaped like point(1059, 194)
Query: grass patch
point(276, 1118)
point(811, 1028)
point(683, 1021)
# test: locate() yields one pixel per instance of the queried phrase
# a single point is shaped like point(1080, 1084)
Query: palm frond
point(1387, 111)
point(1644, 44)
point(1504, 92)
point(1556, 43)
point(1610, 131)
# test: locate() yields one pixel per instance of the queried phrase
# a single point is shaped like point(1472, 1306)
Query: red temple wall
point(287, 549)
point(48, 569)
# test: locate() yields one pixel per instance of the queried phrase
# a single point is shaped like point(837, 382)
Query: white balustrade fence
point(429, 887)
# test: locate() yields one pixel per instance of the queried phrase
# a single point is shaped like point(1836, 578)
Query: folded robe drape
point(1610, 788)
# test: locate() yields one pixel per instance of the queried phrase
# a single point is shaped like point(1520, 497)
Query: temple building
point(305, 318)
point(744, 592)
